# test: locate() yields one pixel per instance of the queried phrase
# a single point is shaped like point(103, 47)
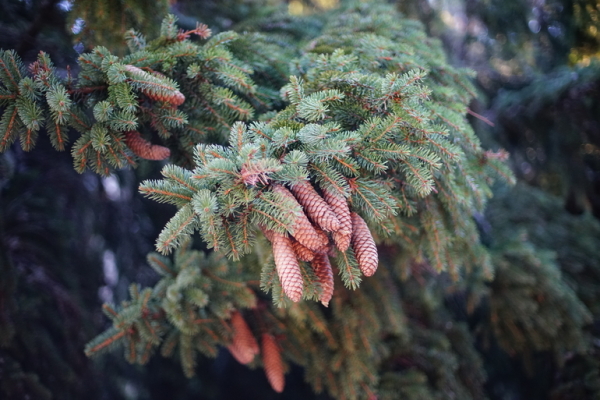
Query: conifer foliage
point(118, 105)
point(178, 314)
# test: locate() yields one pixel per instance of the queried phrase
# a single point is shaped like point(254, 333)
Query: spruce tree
point(328, 197)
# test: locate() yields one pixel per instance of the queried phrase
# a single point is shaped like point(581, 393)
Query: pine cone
point(175, 98)
point(339, 205)
point(169, 94)
point(324, 273)
point(287, 266)
point(271, 358)
point(143, 148)
point(315, 207)
point(364, 246)
point(303, 230)
point(243, 346)
point(303, 252)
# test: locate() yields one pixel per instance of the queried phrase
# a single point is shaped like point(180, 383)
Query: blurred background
point(69, 242)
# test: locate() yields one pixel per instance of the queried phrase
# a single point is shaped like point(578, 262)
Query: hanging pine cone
point(271, 358)
point(303, 252)
point(339, 205)
point(143, 148)
point(243, 346)
point(322, 268)
point(287, 266)
point(364, 245)
point(315, 207)
point(303, 230)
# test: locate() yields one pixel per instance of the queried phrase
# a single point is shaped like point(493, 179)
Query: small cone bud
point(271, 358)
point(339, 205)
point(303, 230)
point(287, 267)
point(303, 253)
point(324, 273)
point(143, 148)
point(364, 246)
point(252, 175)
point(243, 346)
point(315, 207)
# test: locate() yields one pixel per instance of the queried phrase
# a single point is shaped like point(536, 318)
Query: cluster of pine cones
point(323, 216)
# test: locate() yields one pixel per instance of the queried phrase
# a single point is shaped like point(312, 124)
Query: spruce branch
point(372, 148)
point(140, 92)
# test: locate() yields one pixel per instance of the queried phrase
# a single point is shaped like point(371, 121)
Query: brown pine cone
point(271, 358)
point(364, 246)
point(339, 205)
point(315, 207)
point(324, 273)
point(303, 230)
point(175, 98)
point(303, 252)
point(243, 346)
point(287, 267)
point(169, 93)
point(143, 148)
